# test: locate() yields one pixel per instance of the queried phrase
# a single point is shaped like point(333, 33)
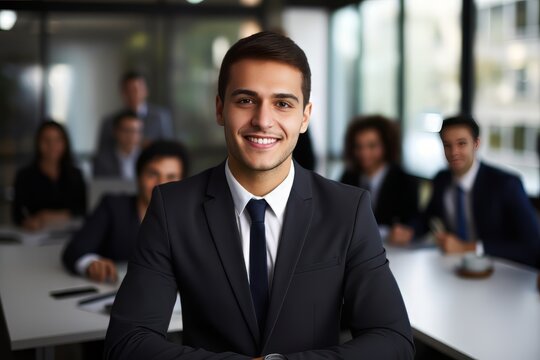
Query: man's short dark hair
point(126, 114)
point(461, 120)
point(163, 149)
point(131, 75)
point(266, 45)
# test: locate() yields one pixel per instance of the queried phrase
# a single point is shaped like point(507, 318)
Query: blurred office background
point(416, 61)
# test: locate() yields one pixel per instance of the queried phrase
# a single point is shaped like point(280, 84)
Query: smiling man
point(477, 204)
point(269, 258)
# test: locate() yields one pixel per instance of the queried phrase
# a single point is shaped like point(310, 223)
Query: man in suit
point(119, 162)
point(267, 256)
point(108, 235)
point(478, 205)
point(157, 122)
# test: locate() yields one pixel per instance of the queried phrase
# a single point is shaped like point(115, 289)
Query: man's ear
point(219, 110)
point(477, 143)
point(305, 118)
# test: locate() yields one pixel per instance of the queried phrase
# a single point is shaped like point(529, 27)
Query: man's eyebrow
point(286, 96)
point(243, 92)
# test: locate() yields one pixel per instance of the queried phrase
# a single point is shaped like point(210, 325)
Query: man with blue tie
point(268, 257)
point(480, 206)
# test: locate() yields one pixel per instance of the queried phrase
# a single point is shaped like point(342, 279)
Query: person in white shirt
point(372, 156)
point(476, 207)
point(109, 233)
point(120, 161)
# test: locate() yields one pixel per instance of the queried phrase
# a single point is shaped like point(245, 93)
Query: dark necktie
point(258, 269)
point(461, 219)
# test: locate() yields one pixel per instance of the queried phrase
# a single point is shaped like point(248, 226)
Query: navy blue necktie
point(461, 219)
point(258, 268)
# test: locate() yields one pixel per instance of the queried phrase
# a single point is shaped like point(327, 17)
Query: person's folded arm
point(373, 306)
point(143, 307)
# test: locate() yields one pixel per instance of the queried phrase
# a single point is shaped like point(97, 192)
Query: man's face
point(262, 113)
point(459, 148)
point(159, 171)
point(129, 134)
point(135, 93)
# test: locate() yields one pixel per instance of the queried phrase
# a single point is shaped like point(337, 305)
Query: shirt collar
point(276, 199)
point(466, 181)
point(376, 179)
point(142, 111)
point(132, 155)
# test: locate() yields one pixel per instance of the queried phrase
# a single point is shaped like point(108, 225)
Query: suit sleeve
point(372, 305)
point(524, 227)
point(106, 135)
point(143, 306)
point(90, 237)
point(409, 203)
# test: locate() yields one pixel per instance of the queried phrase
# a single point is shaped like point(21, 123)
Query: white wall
point(308, 27)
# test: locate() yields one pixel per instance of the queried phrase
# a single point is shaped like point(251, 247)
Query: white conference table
point(493, 318)
point(34, 319)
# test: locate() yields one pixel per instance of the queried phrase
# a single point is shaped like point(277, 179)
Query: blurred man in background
point(475, 204)
point(109, 233)
point(120, 161)
point(157, 121)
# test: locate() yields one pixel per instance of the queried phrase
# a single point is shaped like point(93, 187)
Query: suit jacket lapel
point(219, 209)
point(478, 197)
point(295, 228)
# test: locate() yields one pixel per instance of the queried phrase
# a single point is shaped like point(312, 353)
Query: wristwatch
point(275, 357)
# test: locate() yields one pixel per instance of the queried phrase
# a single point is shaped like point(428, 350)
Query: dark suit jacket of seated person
point(195, 239)
point(372, 152)
point(111, 229)
point(502, 216)
point(157, 121)
point(109, 232)
point(51, 182)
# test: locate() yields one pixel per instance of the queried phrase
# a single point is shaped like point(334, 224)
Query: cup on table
point(476, 263)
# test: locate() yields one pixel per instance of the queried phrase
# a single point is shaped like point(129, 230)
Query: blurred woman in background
point(372, 155)
point(51, 190)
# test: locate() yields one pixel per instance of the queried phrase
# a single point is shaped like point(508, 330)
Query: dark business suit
point(330, 259)
point(110, 231)
point(398, 196)
point(106, 164)
point(35, 191)
point(503, 216)
point(157, 124)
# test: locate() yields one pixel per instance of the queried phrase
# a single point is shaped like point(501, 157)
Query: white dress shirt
point(375, 182)
point(273, 218)
point(127, 163)
point(466, 182)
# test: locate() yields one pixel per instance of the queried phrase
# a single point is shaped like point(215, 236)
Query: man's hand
point(451, 244)
point(400, 235)
point(32, 223)
point(102, 270)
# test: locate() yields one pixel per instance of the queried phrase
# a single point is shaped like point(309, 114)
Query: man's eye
point(283, 104)
point(246, 101)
